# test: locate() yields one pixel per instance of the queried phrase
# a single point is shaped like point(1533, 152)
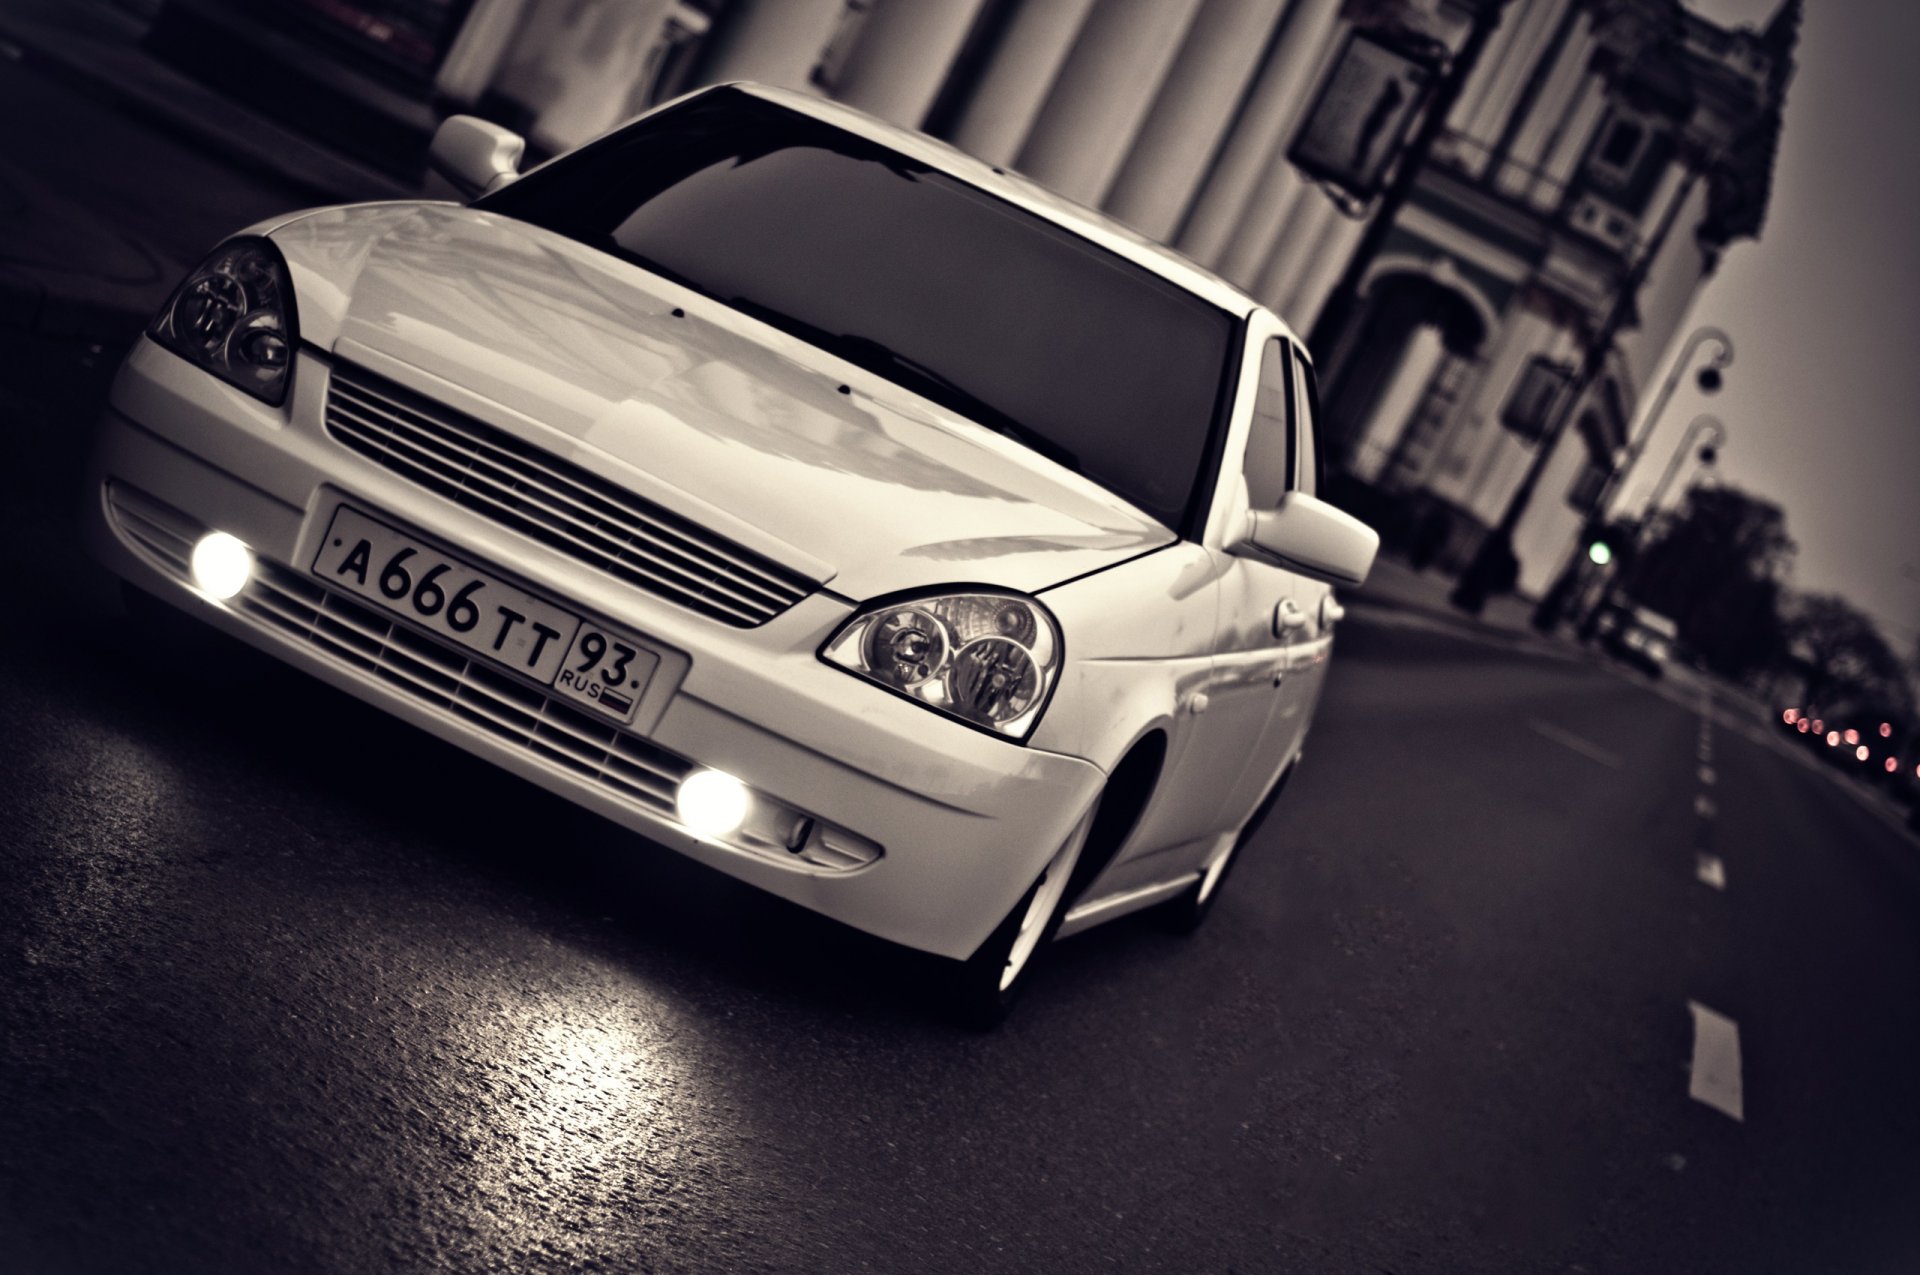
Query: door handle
point(1287, 617)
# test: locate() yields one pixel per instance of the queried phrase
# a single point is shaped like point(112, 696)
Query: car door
point(1262, 616)
point(1307, 637)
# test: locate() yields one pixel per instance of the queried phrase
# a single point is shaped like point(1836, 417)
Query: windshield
point(994, 313)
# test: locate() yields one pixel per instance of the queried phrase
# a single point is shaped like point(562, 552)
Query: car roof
point(1020, 191)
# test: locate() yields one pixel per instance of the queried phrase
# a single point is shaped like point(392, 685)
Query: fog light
point(221, 565)
point(711, 803)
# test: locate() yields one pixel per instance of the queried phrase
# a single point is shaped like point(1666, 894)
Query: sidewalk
point(94, 232)
point(1393, 585)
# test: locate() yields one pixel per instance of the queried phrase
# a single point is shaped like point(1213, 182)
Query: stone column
point(1007, 100)
point(477, 51)
point(1299, 244)
point(1259, 137)
point(903, 55)
point(1102, 93)
point(1195, 106)
point(1533, 28)
point(576, 67)
point(772, 41)
point(1336, 245)
point(1550, 109)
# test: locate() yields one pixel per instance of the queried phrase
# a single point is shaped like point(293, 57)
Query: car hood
point(818, 464)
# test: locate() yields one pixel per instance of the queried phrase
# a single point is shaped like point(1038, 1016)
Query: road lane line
point(1714, 1077)
point(1709, 870)
point(1707, 776)
point(1593, 752)
point(1704, 807)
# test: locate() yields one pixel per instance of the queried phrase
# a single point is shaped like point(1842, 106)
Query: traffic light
point(1609, 543)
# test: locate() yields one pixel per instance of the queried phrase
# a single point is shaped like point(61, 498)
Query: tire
point(982, 988)
point(1184, 913)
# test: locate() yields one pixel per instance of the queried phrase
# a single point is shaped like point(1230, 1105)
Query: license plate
point(604, 670)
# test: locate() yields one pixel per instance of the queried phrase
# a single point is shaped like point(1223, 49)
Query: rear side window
point(1306, 470)
point(1269, 436)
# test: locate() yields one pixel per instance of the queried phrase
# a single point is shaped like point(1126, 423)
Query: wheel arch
point(1129, 790)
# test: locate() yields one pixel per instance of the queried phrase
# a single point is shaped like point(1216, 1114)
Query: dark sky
point(1822, 403)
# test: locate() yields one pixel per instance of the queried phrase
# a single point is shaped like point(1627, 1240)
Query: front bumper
point(964, 821)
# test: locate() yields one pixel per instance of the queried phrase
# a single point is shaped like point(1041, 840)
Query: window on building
point(1622, 146)
point(1584, 494)
point(1534, 397)
point(1630, 153)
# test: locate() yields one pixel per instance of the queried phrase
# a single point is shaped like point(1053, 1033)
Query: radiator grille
point(558, 503)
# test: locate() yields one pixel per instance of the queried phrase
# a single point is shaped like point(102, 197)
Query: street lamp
point(1546, 616)
point(1707, 452)
point(1709, 381)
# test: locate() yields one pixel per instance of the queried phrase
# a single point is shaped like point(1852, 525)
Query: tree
point(1718, 567)
point(1849, 661)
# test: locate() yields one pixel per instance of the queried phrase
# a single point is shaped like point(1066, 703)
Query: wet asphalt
point(286, 986)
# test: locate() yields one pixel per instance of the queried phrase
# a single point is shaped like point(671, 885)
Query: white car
point(839, 511)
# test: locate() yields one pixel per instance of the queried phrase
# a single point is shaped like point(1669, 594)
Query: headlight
point(987, 658)
point(234, 317)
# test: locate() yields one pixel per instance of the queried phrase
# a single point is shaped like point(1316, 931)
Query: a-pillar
point(1194, 107)
point(1259, 137)
point(772, 41)
point(1102, 94)
point(903, 55)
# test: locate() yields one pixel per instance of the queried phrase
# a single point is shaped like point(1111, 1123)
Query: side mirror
point(478, 157)
point(1308, 535)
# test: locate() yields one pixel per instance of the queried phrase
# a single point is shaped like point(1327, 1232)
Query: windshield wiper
point(881, 358)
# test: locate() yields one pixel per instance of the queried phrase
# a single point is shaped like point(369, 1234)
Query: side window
point(1268, 434)
point(1307, 471)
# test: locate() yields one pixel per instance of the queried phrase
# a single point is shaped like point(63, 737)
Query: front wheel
point(984, 986)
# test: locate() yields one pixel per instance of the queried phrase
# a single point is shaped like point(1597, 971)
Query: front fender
point(1138, 644)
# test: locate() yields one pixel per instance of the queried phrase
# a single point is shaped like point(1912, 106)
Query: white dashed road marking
point(1567, 739)
point(1704, 807)
point(1707, 776)
point(1714, 1077)
point(1710, 871)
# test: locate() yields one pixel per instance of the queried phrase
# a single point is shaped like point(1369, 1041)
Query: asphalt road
point(287, 986)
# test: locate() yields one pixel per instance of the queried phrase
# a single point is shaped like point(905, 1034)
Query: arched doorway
point(1411, 355)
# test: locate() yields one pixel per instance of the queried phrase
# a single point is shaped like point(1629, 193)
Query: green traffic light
point(1599, 553)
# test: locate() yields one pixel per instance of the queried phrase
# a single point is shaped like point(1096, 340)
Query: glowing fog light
point(711, 803)
point(221, 565)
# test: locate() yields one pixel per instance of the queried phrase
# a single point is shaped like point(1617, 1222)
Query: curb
point(1380, 611)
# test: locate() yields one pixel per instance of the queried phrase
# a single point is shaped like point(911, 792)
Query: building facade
point(1482, 181)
